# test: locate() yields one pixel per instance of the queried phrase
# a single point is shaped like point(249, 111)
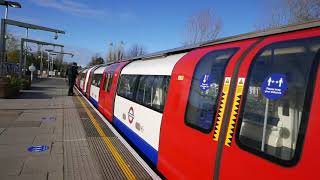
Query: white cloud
point(71, 6)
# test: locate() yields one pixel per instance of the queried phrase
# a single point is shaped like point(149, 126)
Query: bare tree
point(136, 50)
point(290, 12)
point(96, 59)
point(115, 52)
point(202, 26)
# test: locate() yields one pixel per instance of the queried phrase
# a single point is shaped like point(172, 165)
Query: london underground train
point(244, 106)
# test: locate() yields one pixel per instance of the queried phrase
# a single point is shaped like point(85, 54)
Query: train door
point(196, 97)
point(107, 89)
point(273, 125)
point(91, 74)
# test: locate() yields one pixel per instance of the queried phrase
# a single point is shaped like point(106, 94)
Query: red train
point(244, 106)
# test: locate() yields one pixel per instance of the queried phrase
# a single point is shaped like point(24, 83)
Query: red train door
point(108, 88)
point(272, 127)
point(196, 96)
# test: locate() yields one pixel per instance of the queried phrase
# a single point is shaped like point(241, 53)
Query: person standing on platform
point(72, 73)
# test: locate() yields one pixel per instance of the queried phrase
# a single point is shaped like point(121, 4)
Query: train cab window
point(110, 82)
point(277, 100)
point(127, 86)
point(205, 88)
point(152, 91)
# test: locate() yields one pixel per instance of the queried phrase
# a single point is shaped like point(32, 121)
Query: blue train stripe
point(141, 144)
point(94, 102)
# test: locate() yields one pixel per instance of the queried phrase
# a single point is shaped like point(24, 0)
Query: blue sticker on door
point(274, 86)
point(205, 82)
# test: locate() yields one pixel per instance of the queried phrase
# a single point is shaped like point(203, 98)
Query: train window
point(277, 100)
point(152, 91)
point(110, 81)
point(205, 88)
point(106, 81)
point(96, 79)
point(127, 86)
point(144, 90)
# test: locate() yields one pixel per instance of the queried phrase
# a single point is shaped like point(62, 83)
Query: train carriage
point(87, 79)
point(90, 79)
point(108, 88)
point(82, 79)
point(244, 106)
point(140, 100)
point(95, 85)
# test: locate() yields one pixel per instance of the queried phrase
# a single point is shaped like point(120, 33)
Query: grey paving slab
point(57, 148)
point(25, 177)
point(25, 131)
point(55, 175)
point(16, 139)
point(11, 166)
point(43, 164)
point(1, 130)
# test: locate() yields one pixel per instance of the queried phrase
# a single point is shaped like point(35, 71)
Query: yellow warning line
point(123, 165)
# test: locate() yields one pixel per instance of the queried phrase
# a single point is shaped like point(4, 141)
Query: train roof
point(250, 35)
point(256, 34)
point(156, 66)
point(100, 69)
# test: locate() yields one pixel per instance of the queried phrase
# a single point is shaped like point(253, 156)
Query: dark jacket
point(72, 73)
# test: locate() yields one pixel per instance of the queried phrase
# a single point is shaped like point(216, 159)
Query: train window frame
point(110, 79)
point(96, 80)
point(304, 121)
point(234, 50)
point(135, 86)
point(165, 78)
point(105, 83)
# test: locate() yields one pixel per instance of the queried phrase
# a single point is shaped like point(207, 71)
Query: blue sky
point(91, 25)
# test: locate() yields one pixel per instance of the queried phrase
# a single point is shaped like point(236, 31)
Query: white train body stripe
point(146, 122)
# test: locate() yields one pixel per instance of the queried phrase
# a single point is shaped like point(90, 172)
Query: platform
point(47, 135)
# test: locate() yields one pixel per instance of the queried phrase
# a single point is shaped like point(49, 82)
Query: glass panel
point(285, 66)
point(152, 91)
point(127, 86)
point(205, 87)
point(145, 90)
point(110, 81)
point(106, 81)
point(96, 79)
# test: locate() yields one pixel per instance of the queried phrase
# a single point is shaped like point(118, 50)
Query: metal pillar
point(22, 61)
point(41, 62)
point(2, 46)
point(21, 58)
point(48, 64)
point(25, 55)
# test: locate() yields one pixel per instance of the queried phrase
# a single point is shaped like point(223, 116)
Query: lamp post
point(8, 4)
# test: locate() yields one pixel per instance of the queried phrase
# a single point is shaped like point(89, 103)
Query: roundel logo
point(130, 115)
